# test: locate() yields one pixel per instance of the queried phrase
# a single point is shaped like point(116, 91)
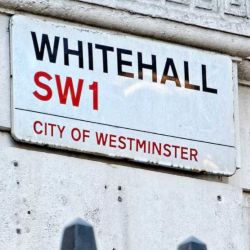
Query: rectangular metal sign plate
point(101, 92)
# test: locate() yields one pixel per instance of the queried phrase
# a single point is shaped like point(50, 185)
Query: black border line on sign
point(114, 126)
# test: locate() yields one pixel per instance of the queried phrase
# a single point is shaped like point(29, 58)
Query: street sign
point(106, 93)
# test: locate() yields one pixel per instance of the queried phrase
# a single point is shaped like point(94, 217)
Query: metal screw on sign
point(192, 243)
point(78, 236)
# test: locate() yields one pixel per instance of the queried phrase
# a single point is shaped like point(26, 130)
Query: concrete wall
point(157, 210)
point(42, 190)
point(226, 15)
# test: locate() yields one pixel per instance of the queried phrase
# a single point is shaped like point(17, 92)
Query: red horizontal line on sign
point(115, 126)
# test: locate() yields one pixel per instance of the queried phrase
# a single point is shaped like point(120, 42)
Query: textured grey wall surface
point(227, 15)
point(130, 208)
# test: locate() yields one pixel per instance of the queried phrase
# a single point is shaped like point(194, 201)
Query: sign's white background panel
point(197, 122)
point(158, 210)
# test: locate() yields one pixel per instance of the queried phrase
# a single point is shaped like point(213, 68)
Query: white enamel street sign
point(100, 92)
